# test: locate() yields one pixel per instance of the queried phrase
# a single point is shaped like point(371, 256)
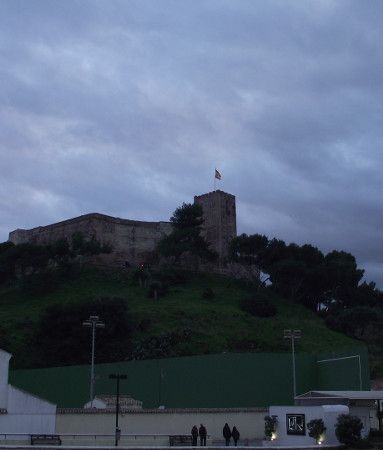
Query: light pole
point(93, 322)
point(117, 377)
point(293, 334)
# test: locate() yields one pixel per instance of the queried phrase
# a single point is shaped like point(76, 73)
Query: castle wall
point(219, 215)
point(131, 240)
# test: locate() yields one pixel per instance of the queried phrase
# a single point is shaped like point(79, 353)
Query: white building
point(364, 404)
point(21, 412)
point(291, 424)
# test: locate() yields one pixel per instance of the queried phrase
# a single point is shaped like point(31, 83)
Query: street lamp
point(293, 334)
point(93, 322)
point(117, 377)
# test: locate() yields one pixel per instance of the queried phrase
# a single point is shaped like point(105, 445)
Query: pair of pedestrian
point(201, 432)
point(228, 434)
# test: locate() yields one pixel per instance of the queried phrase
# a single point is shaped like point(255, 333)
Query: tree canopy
point(60, 339)
point(186, 238)
point(330, 284)
point(28, 261)
point(305, 275)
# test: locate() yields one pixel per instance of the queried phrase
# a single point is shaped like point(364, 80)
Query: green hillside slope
point(183, 320)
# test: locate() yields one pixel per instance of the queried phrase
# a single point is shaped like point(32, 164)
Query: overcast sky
point(126, 107)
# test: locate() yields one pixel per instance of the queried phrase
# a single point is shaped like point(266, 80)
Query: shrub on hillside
point(361, 322)
point(162, 346)
point(244, 344)
point(38, 268)
point(167, 276)
point(208, 294)
point(157, 289)
point(40, 283)
point(144, 325)
point(172, 276)
point(348, 429)
point(81, 245)
point(141, 276)
point(258, 307)
point(59, 339)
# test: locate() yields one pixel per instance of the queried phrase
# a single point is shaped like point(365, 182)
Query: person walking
point(226, 434)
point(202, 435)
point(194, 433)
point(235, 434)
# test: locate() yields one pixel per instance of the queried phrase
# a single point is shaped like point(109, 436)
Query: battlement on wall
point(87, 217)
point(214, 194)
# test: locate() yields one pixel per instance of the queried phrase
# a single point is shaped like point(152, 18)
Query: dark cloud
point(125, 108)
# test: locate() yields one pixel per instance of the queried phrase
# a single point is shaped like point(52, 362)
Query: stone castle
point(132, 241)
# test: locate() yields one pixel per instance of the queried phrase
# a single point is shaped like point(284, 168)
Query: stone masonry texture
point(219, 215)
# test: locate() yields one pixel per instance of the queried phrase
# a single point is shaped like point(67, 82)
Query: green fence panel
point(343, 370)
point(219, 381)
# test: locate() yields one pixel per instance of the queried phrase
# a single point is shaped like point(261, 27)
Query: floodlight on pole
point(93, 322)
point(117, 377)
point(293, 334)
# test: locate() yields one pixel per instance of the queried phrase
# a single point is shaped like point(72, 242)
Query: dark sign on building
point(295, 424)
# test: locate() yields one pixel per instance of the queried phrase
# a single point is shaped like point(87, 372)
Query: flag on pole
point(217, 175)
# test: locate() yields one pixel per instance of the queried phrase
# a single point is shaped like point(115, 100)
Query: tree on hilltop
point(38, 267)
point(343, 278)
point(186, 239)
point(305, 275)
point(248, 249)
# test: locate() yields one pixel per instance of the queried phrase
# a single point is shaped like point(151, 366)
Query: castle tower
point(219, 216)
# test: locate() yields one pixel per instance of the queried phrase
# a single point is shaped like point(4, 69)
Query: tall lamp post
point(293, 334)
point(117, 377)
point(93, 322)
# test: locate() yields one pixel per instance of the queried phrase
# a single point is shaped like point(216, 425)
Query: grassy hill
point(188, 322)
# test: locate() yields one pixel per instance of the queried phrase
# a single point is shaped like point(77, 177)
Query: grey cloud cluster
point(126, 107)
